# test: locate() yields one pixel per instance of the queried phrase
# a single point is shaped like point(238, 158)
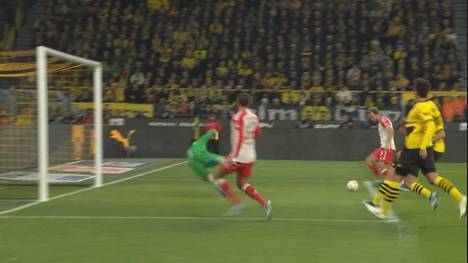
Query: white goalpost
point(43, 117)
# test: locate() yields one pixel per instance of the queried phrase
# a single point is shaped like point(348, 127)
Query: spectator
point(353, 76)
point(343, 96)
point(137, 78)
point(4, 119)
point(135, 94)
point(401, 82)
point(316, 47)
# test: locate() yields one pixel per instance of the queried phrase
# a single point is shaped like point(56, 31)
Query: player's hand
point(229, 162)
point(423, 153)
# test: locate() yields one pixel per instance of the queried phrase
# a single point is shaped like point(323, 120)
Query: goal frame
point(42, 107)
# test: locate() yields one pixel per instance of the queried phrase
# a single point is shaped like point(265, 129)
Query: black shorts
point(437, 155)
point(410, 162)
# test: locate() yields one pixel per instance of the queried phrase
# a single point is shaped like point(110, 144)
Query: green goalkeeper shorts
point(202, 162)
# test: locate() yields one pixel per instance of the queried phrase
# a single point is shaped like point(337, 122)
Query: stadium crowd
point(188, 55)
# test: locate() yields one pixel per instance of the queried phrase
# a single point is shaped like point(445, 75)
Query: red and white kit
point(245, 128)
point(385, 156)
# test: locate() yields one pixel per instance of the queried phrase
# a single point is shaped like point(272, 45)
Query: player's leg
point(371, 163)
point(429, 170)
point(250, 190)
point(244, 171)
point(219, 173)
point(449, 188)
point(378, 162)
point(204, 174)
point(390, 188)
point(201, 163)
point(412, 184)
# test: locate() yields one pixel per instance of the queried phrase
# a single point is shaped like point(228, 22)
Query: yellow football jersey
point(421, 124)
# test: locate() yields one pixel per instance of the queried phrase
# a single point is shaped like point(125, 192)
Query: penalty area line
point(195, 218)
point(392, 216)
point(5, 212)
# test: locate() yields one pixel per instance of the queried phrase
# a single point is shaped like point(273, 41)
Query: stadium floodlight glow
point(42, 107)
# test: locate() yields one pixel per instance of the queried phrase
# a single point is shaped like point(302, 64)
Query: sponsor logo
point(52, 178)
point(72, 168)
point(125, 141)
point(462, 126)
point(326, 126)
point(267, 125)
point(174, 124)
point(109, 164)
point(125, 110)
point(122, 164)
point(117, 122)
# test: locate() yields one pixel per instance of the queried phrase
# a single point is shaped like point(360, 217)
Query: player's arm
point(210, 134)
point(429, 131)
point(390, 132)
point(440, 135)
point(238, 138)
point(258, 130)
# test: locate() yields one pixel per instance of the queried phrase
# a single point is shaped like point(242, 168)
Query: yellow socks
point(449, 188)
point(417, 188)
point(388, 192)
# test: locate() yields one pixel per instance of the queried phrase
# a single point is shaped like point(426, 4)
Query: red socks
point(247, 188)
point(226, 187)
point(250, 191)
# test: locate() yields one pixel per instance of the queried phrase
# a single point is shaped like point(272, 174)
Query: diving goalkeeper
point(201, 161)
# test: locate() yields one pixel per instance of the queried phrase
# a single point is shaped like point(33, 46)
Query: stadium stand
point(185, 56)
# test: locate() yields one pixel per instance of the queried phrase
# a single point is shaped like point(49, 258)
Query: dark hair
point(244, 100)
point(373, 110)
point(422, 87)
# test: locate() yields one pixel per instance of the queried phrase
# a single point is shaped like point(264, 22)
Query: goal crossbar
point(42, 99)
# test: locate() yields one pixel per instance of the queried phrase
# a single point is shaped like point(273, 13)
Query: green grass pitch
point(171, 216)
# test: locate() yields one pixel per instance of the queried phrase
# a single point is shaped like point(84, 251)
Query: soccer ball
point(352, 185)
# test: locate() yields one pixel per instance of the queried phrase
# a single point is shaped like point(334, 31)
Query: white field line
point(392, 216)
point(90, 188)
point(193, 218)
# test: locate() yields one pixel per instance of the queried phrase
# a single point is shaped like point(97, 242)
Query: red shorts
point(242, 169)
point(384, 156)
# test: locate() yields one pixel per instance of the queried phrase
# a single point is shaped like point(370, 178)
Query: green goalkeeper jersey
point(199, 158)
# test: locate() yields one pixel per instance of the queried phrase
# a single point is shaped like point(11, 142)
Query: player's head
point(244, 100)
point(373, 114)
point(421, 87)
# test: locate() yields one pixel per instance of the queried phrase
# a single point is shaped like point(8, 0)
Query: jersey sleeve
point(386, 122)
point(439, 121)
point(258, 130)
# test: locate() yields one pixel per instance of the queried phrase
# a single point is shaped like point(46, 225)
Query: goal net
point(42, 136)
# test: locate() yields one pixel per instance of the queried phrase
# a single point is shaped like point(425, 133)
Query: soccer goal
point(42, 134)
